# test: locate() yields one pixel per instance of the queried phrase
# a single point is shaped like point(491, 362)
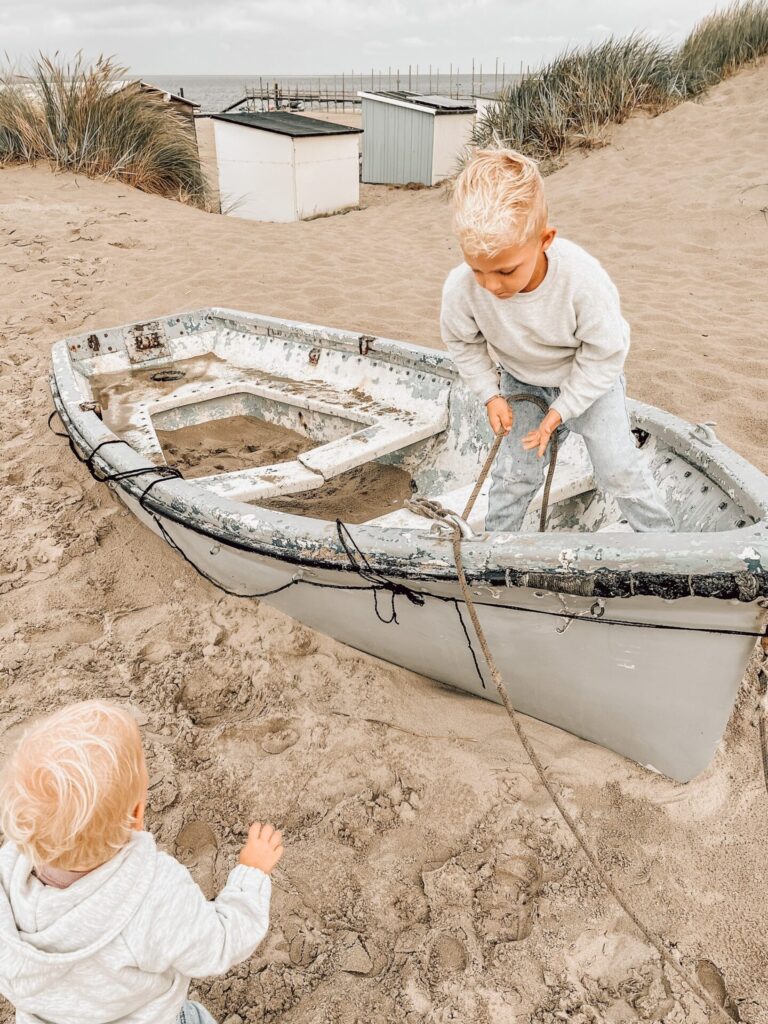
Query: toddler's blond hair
point(68, 791)
point(498, 201)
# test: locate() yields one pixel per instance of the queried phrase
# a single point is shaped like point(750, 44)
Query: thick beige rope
point(573, 825)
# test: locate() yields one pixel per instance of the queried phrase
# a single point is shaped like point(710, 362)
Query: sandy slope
point(427, 877)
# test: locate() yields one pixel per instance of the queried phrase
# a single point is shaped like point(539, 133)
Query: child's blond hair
point(69, 790)
point(498, 201)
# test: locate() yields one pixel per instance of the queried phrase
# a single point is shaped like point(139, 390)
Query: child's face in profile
point(517, 268)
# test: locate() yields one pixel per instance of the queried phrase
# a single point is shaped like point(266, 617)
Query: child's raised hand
point(539, 438)
point(263, 849)
point(500, 416)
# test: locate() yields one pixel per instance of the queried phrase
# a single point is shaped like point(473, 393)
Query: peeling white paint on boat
point(565, 611)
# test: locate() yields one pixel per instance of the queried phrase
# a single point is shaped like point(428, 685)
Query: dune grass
point(573, 101)
point(726, 40)
point(77, 118)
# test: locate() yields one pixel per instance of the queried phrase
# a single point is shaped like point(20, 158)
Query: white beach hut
point(278, 166)
point(482, 103)
point(412, 138)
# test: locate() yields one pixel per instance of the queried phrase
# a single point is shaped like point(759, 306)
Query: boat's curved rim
point(727, 564)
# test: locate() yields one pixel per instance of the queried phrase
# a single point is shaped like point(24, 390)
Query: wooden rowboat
point(634, 641)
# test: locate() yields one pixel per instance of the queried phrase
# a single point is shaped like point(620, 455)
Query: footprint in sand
point(713, 983)
point(507, 899)
point(196, 848)
point(304, 642)
point(447, 955)
point(280, 737)
point(303, 942)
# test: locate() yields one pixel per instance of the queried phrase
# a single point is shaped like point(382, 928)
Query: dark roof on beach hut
point(284, 123)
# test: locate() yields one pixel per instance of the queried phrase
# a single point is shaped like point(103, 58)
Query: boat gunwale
point(726, 564)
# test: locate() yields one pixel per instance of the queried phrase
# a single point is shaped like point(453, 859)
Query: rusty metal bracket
point(146, 341)
point(146, 337)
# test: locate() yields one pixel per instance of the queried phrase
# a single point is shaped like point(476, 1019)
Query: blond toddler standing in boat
point(548, 314)
point(97, 926)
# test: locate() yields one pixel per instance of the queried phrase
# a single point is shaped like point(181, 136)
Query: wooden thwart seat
point(383, 430)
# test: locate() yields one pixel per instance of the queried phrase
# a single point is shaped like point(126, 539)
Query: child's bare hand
point(500, 416)
point(263, 849)
point(539, 438)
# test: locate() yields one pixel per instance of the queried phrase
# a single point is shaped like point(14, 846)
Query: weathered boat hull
point(637, 642)
point(661, 696)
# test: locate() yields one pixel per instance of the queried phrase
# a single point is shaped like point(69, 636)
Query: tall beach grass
point(572, 101)
point(79, 118)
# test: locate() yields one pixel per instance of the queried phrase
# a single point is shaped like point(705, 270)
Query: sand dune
point(427, 877)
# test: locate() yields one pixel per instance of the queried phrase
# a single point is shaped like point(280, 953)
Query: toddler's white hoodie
point(121, 943)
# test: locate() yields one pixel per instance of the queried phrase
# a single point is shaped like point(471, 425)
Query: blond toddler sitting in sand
point(548, 313)
point(96, 924)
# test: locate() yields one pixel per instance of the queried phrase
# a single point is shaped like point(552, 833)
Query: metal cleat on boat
point(704, 432)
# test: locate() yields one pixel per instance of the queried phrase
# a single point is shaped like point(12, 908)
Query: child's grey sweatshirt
point(567, 333)
point(121, 943)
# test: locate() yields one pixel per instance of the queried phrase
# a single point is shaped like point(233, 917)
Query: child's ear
point(138, 816)
point(548, 237)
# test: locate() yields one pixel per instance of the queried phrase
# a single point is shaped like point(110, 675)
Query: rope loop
point(359, 563)
point(162, 472)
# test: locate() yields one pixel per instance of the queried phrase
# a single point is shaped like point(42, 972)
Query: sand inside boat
point(245, 442)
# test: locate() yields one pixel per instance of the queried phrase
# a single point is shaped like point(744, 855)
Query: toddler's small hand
point(500, 416)
point(263, 849)
point(539, 438)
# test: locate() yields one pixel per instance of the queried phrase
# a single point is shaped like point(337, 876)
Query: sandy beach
point(427, 876)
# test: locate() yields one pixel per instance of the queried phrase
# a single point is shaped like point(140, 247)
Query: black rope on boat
point(201, 572)
point(298, 580)
point(382, 583)
point(360, 564)
point(457, 606)
point(163, 472)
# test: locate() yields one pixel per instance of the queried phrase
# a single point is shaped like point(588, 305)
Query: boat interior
point(288, 419)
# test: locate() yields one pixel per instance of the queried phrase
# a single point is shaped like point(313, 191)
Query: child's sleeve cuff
point(247, 879)
point(563, 407)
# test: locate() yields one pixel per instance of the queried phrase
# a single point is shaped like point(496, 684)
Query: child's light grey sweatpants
point(619, 468)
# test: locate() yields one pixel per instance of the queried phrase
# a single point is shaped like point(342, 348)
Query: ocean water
point(216, 92)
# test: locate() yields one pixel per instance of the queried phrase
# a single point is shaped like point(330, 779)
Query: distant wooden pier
point(340, 92)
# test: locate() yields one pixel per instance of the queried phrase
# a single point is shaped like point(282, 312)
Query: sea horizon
point(215, 92)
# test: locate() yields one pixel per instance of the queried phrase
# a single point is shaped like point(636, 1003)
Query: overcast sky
point(247, 37)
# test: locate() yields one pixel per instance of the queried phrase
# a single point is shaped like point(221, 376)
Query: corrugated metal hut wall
point(397, 144)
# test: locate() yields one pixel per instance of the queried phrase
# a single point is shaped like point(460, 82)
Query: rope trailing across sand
point(433, 511)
